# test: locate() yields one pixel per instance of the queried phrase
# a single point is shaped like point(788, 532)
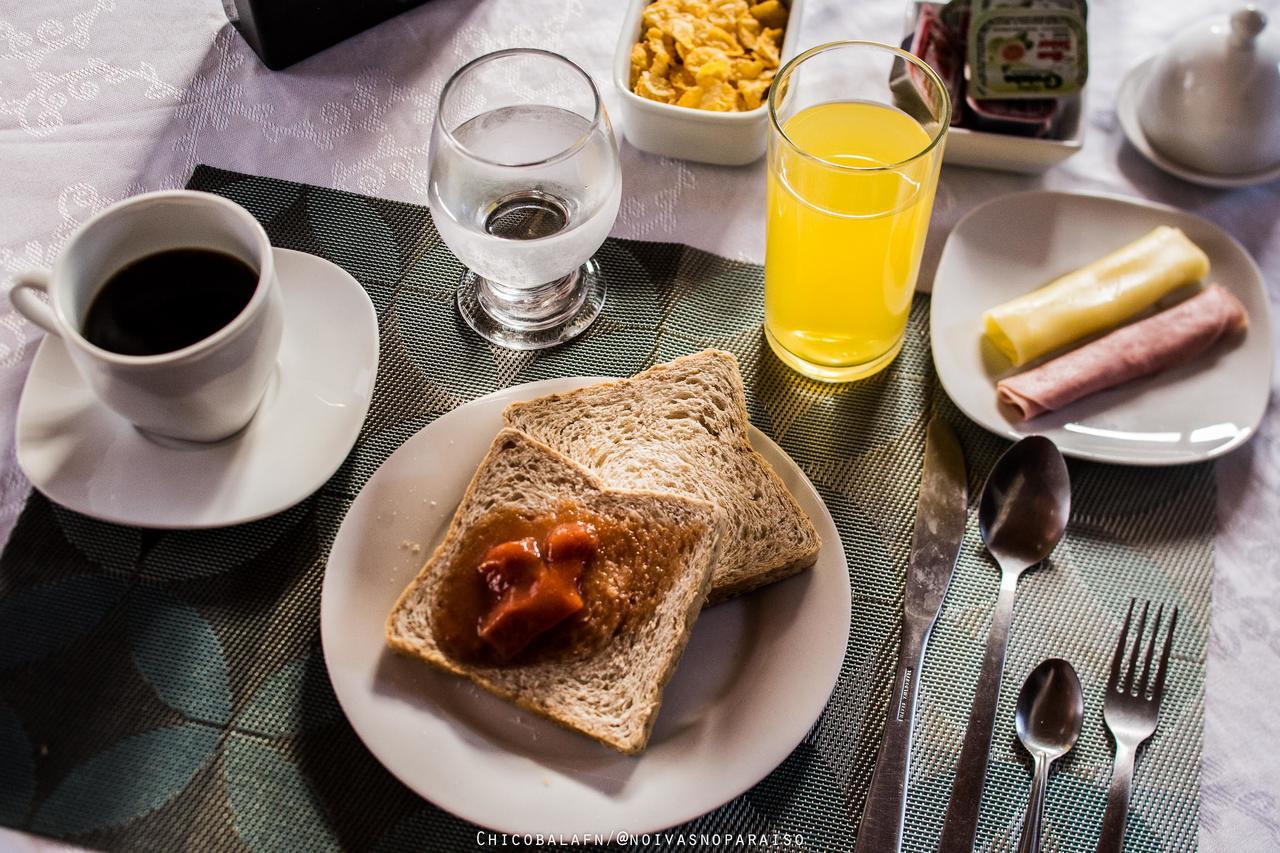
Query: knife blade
point(935, 545)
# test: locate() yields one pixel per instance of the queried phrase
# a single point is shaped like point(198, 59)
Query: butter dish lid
point(1212, 98)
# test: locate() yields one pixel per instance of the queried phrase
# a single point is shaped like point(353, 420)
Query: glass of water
point(524, 187)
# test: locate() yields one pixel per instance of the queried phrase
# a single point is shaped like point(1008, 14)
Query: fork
point(1131, 715)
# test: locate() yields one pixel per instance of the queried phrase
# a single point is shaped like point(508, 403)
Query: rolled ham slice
point(1148, 346)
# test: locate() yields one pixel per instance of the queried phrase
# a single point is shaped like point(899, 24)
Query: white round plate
point(89, 459)
point(1016, 243)
point(756, 674)
point(1127, 111)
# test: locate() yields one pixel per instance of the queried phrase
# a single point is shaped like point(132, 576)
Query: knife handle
point(885, 810)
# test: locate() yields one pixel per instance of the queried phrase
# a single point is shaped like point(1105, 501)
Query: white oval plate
point(756, 674)
point(1016, 243)
point(84, 456)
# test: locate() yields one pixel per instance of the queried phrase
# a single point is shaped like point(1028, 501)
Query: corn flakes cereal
point(655, 88)
point(717, 70)
point(700, 56)
point(768, 46)
point(690, 98)
point(753, 92)
point(639, 63)
point(770, 13)
point(726, 13)
point(657, 14)
point(717, 37)
point(747, 69)
point(718, 96)
point(682, 78)
point(716, 55)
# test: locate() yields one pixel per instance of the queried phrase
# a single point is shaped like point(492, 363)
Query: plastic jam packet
point(1027, 48)
point(935, 43)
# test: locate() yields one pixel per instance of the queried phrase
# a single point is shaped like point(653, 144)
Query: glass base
point(530, 330)
point(828, 373)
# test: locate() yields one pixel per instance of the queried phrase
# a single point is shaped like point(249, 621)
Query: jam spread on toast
point(533, 587)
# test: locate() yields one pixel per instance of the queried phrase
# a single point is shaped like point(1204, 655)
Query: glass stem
point(532, 307)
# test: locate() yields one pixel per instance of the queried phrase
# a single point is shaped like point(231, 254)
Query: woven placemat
point(166, 690)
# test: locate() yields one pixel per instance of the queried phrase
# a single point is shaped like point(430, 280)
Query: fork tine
point(1158, 691)
point(1137, 645)
point(1151, 649)
point(1113, 684)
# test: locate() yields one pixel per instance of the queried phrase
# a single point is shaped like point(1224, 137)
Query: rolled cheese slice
point(1105, 293)
point(1173, 336)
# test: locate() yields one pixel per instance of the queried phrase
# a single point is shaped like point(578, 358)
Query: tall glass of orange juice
point(855, 144)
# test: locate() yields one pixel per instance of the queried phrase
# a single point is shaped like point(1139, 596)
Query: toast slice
point(612, 692)
point(681, 428)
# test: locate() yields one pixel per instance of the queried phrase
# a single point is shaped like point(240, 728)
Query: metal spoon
point(1050, 711)
point(1022, 515)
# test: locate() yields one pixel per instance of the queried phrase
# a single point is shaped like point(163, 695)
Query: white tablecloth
point(102, 99)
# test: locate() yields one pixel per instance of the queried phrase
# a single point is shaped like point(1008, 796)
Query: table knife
point(935, 544)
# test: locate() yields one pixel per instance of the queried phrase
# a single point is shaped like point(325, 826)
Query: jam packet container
point(1027, 48)
point(937, 44)
point(1019, 116)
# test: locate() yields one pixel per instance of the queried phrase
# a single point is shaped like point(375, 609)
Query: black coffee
point(168, 301)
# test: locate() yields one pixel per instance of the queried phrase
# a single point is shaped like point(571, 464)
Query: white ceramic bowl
point(726, 139)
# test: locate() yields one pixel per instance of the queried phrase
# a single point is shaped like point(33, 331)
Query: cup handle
point(25, 302)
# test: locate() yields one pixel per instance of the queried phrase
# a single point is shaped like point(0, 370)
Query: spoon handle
point(961, 823)
point(885, 810)
point(1030, 840)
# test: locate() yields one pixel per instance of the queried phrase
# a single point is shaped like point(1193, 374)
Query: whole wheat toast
point(681, 428)
point(614, 694)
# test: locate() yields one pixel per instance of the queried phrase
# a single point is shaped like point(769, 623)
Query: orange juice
point(848, 209)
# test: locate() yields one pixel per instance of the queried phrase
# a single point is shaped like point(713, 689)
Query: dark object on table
point(282, 32)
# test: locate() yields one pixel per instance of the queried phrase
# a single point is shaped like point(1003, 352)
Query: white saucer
point(757, 673)
point(1016, 243)
point(1127, 112)
point(89, 459)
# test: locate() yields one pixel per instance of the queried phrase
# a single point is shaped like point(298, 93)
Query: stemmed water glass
point(524, 187)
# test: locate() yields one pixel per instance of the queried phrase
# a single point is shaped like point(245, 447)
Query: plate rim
point(1186, 457)
point(558, 384)
point(22, 449)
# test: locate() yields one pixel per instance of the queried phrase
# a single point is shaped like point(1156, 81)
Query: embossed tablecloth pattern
point(100, 99)
point(166, 689)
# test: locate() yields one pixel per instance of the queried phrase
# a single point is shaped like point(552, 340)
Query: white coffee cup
point(203, 392)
